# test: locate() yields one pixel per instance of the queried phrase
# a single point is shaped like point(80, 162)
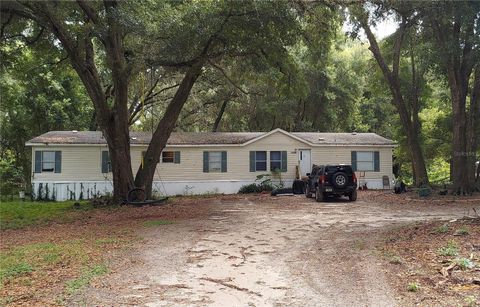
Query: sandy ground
point(266, 251)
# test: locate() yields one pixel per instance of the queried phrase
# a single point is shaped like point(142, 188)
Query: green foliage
point(442, 229)
point(11, 175)
point(18, 214)
point(249, 188)
point(273, 64)
point(39, 93)
point(85, 278)
point(24, 259)
point(413, 287)
point(462, 231)
point(14, 270)
point(262, 183)
point(450, 250)
point(464, 263)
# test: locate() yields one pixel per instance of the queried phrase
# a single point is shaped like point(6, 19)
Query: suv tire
point(340, 180)
point(308, 194)
point(319, 195)
point(353, 196)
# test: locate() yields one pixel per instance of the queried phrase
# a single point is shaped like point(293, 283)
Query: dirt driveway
point(264, 251)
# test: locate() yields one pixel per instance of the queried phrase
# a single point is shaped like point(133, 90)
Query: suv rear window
point(335, 168)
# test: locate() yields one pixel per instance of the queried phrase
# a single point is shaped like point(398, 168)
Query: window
point(106, 163)
point(214, 161)
point(366, 161)
point(48, 161)
point(275, 160)
point(260, 161)
point(168, 157)
point(165, 157)
point(278, 161)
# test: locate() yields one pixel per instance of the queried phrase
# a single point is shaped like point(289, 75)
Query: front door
point(304, 161)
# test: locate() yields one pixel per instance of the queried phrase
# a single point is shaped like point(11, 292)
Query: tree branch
point(228, 78)
point(88, 10)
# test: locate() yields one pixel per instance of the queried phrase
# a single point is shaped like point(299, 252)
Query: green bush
point(250, 188)
point(11, 176)
point(256, 188)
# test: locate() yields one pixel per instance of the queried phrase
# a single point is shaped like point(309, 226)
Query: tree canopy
point(164, 66)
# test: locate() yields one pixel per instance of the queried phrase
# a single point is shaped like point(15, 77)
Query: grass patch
point(462, 231)
point(154, 223)
point(442, 229)
point(464, 263)
point(85, 278)
point(450, 250)
point(15, 270)
point(27, 258)
point(413, 287)
point(19, 214)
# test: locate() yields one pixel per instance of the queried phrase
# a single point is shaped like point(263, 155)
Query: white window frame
point(213, 154)
point(276, 160)
point(265, 161)
point(363, 160)
point(42, 169)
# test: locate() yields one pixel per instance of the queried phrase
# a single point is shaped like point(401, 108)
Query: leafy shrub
point(249, 188)
point(11, 175)
point(255, 188)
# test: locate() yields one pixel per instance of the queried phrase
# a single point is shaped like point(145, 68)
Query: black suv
point(331, 180)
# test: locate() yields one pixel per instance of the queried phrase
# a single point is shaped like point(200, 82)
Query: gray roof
point(205, 138)
point(343, 138)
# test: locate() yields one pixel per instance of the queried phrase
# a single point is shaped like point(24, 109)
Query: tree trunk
point(220, 114)
point(145, 174)
point(454, 35)
point(458, 91)
point(407, 118)
point(119, 149)
point(473, 131)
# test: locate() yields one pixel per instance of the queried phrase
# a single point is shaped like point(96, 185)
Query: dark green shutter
point(224, 161)
point(205, 161)
point(104, 161)
point(376, 161)
point(176, 157)
point(354, 161)
point(252, 161)
point(58, 161)
point(38, 162)
point(284, 161)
